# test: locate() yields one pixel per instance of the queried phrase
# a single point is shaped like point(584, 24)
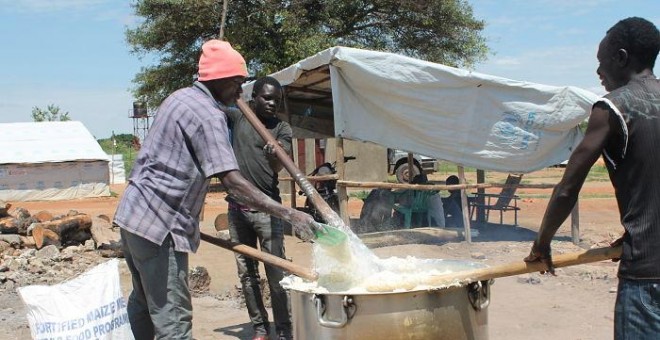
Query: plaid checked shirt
point(187, 144)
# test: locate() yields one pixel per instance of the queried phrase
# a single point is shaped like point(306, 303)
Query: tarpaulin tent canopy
point(465, 117)
point(51, 161)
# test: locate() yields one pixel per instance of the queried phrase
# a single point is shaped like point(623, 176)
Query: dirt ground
point(576, 304)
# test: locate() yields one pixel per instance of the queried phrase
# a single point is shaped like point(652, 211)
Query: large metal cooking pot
point(453, 313)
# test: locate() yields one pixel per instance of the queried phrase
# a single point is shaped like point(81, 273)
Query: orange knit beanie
point(220, 60)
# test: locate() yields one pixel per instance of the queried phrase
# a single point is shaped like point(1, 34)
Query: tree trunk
point(44, 237)
point(104, 235)
point(69, 230)
point(8, 225)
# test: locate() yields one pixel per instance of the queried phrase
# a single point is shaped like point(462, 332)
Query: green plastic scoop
point(332, 236)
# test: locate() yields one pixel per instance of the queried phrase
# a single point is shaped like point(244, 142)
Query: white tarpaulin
point(51, 161)
point(117, 169)
point(468, 118)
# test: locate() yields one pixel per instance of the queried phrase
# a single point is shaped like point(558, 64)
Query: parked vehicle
point(327, 189)
point(398, 165)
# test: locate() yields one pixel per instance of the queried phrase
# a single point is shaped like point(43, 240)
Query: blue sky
point(72, 53)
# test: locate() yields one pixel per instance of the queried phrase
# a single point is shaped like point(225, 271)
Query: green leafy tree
point(272, 35)
point(51, 114)
point(121, 144)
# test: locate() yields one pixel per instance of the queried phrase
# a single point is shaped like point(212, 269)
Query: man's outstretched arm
point(566, 192)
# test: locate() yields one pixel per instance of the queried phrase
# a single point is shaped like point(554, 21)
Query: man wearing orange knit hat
point(158, 213)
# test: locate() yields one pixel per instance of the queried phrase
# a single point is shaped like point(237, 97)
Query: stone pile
point(44, 249)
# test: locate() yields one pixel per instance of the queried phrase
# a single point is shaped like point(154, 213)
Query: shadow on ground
point(491, 232)
point(241, 331)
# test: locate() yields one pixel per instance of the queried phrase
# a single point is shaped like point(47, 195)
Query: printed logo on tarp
point(90, 306)
point(518, 130)
point(97, 323)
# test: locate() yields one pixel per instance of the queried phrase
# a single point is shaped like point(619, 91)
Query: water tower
point(140, 116)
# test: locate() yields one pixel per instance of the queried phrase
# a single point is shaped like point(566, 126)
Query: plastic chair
point(417, 203)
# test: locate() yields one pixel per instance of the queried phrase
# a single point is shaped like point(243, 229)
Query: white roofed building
point(51, 161)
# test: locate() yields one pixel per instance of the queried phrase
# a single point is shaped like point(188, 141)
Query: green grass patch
point(123, 147)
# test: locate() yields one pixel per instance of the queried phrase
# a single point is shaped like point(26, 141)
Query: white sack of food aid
point(90, 306)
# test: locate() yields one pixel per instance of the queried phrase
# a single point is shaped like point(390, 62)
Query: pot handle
point(479, 294)
point(320, 311)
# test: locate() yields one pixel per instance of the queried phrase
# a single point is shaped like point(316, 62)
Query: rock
point(71, 250)
point(48, 252)
point(112, 253)
point(199, 281)
point(66, 257)
point(12, 239)
point(36, 268)
point(104, 235)
point(89, 245)
point(4, 246)
point(15, 264)
point(9, 285)
point(613, 290)
point(28, 253)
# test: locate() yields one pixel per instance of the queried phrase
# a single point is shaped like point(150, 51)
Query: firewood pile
point(21, 229)
point(43, 248)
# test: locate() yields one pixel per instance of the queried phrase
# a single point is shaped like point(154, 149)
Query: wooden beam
point(325, 102)
point(386, 185)
point(464, 205)
point(481, 212)
point(324, 94)
point(314, 178)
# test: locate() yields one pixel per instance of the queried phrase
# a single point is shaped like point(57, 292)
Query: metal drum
point(453, 313)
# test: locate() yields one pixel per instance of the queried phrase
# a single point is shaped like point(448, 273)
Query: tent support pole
point(294, 148)
point(575, 223)
point(481, 200)
point(464, 205)
point(341, 189)
point(411, 166)
point(296, 160)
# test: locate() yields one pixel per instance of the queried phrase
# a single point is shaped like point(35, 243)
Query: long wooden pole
point(465, 209)
point(329, 215)
point(522, 267)
point(256, 254)
point(342, 193)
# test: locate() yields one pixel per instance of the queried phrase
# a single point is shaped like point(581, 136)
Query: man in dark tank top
point(259, 165)
point(624, 128)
